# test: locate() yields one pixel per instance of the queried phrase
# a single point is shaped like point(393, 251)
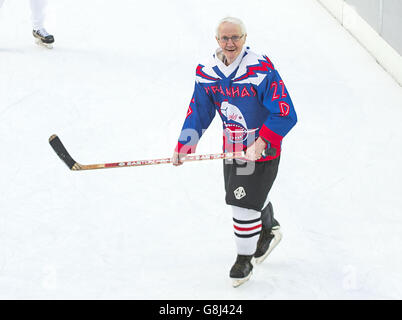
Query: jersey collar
point(228, 70)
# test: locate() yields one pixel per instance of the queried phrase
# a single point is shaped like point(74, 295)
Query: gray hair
point(233, 20)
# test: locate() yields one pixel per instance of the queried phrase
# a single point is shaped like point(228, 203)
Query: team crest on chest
point(236, 129)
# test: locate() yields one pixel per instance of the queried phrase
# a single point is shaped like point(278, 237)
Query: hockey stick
point(61, 151)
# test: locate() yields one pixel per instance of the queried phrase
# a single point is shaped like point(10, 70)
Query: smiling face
point(231, 49)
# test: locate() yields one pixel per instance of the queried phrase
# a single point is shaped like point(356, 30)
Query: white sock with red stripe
point(247, 227)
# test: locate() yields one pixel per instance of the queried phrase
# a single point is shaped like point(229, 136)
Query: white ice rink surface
point(116, 87)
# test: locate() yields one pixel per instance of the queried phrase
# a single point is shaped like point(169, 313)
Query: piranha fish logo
point(235, 127)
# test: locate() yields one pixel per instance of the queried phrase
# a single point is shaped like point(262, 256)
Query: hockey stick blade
point(61, 151)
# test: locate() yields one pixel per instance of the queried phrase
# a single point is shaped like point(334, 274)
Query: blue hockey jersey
point(250, 98)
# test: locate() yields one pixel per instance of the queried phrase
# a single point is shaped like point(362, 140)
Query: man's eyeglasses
point(233, 38)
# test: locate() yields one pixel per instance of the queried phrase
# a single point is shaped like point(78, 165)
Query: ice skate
point(43, 38)
point(242, 270)
point(270, 235)
point(269, 239)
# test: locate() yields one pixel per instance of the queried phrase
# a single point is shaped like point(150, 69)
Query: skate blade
point(277, 238)
point(239, 282)
point(42, 44)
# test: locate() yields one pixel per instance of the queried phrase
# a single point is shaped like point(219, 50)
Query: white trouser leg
point(38, 13)
point(247, 228)
point(1, 3)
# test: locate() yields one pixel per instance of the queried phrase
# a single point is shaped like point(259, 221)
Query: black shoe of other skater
point(242, 269)
point(43, 36)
